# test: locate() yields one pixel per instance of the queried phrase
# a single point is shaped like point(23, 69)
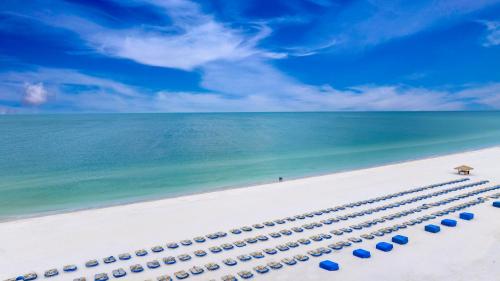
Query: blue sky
point(248, 55)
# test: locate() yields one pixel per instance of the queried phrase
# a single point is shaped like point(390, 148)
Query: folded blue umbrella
point(432, 228)
point(449, 222)
point(400, 239)
point(329, 265)
point(384, 246)
point(361, 253)
point(466, 216)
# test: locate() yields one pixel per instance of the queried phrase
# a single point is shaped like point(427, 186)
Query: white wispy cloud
point(493, 36)
point(191, 40)
point(363, 24)
point(74, 91)
point(236, 74)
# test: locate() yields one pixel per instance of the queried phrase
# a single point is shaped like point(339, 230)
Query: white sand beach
point(470, 251)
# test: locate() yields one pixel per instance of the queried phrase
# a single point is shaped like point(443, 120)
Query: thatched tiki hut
point(464, 169)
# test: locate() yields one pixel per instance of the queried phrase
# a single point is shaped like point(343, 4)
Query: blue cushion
point(496, 204)
point(329, 265)
point(432, 228)
point(400, 239)
point(384, 246)
point(449, 222)
point(466, 216)
point(361, 253)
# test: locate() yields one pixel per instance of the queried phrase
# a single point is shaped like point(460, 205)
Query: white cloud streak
point(493, 36)
point(236, 74)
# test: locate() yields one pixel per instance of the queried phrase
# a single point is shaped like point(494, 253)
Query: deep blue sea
point(56, 163)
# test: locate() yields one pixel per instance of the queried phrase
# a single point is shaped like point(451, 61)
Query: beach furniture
point(184, 257)
point(251, 240)
point(245, 274)
point(101, 277)
point(172, 245)
point(186, 242)
point(432, 228)
point(270, 251)
point(244, 257)
point(274, 235)
point(400, 239)
point(136, 268)
point(141, 253)
point(292, 244)
point(199, 239)
point(258, 226)
point(314, 253)
point(257, 255)
point(384, 246)
point(246, 228)
point(466, 216)
point(195, 270)
point(336, 246)
point(215, 249)
point(164, 278)
point(157, 249)
point(70, 268)
point(268, 223)
point(117, 273)
point(274, 265)
point(304, 241)
point(51, 272)
point(212, 266)
point(228, 278)
point(125, 256)
point(80, 279)
point(153, 264)
point(261, 269)
point(262, 238)
point(316, 238)
point(289, 261)
point(229, 262)
point(200, 253)
point(325, 236)
point(181, 274)
point(449, 222)
point(227, 246)
point(345, 243)
point(329, 265)
point(301, 257)
point(169, 260)
point(91, 263)
point(496, 204)
point(361, 253)
point(240, 244)
point(324, 250)
point(221, 234)
point(109, 259)
point(212, 236)
point(235, 231)
point(367, 236)
point(336, 232)
point(355, 239)
point(29, 276)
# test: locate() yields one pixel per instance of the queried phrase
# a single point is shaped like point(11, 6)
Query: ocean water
point(56, 163)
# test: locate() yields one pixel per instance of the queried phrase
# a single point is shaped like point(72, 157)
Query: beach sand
point(470, 251)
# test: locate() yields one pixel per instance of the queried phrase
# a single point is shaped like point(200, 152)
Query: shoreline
point(237, 187)
point(41, 243)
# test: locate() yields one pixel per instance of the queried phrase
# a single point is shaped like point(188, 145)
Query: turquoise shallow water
point(54, 163)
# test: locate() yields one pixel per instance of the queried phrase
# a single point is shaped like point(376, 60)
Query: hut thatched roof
point(464, 168)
